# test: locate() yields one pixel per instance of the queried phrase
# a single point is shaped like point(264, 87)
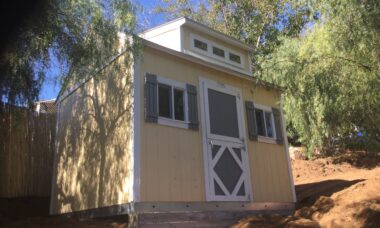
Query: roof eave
point(212, 65)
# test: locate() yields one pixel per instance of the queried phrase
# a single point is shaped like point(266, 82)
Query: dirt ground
point(341, 191)
point(33, 212)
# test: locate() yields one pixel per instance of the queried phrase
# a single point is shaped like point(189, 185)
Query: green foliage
point(332, 75)
point(80, 34)
point(259, 23)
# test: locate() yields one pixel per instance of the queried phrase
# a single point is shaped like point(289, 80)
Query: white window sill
point(172, 123)
point(268, 140)
point(231, 66)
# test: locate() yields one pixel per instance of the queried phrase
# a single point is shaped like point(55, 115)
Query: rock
point(323, 204)
point(375, 207)
point(316, 216)
point(297, 153)
point(303, 223)
point(304, 212)
point(371, 215)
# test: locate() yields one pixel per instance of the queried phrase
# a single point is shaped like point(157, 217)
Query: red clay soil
point(341, 191)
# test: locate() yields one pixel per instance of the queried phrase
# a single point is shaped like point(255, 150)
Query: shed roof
point(184, 21)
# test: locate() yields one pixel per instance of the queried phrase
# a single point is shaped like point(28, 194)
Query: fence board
point(26, 152)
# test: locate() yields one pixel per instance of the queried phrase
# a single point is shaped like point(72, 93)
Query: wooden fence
point(26, 152)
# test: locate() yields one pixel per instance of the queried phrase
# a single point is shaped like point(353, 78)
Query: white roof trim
point(165, 26)
point(48, 100)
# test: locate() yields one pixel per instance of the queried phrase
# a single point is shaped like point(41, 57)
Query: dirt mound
point(359, 159)
point(357, 205)
point(340, 191)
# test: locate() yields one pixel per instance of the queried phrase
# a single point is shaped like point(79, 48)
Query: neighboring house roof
point(46, 106)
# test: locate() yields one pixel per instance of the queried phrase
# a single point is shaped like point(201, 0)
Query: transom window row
point(217, 51)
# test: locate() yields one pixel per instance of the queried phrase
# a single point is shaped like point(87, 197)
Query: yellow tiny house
point(200, 133)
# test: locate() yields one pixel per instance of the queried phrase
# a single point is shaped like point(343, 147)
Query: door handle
point(211, 142)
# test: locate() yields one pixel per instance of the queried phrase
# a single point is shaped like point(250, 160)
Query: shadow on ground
point(34, 212)
point(307, 194)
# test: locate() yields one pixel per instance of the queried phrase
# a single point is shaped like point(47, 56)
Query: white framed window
point(216, 51)
point(265, 123)
point(172, 103)
point(235, 58)
point(200, 44)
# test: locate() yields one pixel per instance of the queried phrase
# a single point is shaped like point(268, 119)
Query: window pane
point(268, 123)
point(201, 45)
point(179, 113)
point(260, 122)
point(218, 51)
point(235, 58)
point(164, 103)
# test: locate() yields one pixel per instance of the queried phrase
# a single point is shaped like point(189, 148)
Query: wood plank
point(27, 144)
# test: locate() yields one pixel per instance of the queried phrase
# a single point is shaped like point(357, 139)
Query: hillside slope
point(331, 192)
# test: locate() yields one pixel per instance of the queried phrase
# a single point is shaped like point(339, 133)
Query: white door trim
point(206, 134)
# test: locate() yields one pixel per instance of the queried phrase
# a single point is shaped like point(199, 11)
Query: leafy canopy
point(77, 34)
point(332, 75)
point(259, 23)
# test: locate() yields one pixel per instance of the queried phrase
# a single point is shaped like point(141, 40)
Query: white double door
point(225, 153)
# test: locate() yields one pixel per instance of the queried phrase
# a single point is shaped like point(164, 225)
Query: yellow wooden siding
point(172, 167)
point(94, 138)
point(186, 31)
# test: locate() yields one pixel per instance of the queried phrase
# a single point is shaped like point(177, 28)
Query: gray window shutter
point(251, 120)
point(151, 109)
point(192, 106)
point(278, 125)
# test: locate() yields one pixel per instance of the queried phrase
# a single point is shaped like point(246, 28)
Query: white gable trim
point(162, 28)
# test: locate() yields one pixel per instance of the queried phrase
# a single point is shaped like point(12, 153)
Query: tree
point(259, 23)
point(80, 35)
point(332, 75)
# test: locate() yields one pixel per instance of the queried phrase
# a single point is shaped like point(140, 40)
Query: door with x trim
point(226, 154)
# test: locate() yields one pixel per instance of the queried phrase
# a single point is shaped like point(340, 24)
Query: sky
point(146, 19)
